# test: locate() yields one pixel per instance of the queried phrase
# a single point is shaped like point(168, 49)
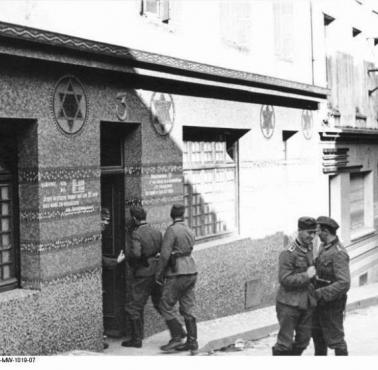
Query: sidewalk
point(221, 332)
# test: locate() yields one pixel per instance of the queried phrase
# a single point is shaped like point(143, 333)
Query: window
point(361, 204)
point(157, 9)
point(283, 30)
point(236, 24)
point(8, 250)
point(210, 184)
point(357, 200)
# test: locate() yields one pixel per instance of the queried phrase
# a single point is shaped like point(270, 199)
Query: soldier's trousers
point(328, 326)
point(141, 289)
point(295, 327)
point(178, 289)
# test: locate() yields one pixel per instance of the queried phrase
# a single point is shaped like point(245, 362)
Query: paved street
point(361, 335)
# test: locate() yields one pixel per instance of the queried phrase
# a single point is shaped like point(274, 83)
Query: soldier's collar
point(330, 244)
point(302, 247)
point(178, 220)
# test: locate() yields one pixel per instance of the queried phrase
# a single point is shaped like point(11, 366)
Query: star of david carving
point(69, 105)
point(307, 124)
point(163, 111)
point(267, 120)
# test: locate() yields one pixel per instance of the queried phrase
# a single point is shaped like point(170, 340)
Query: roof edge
point(153, 61)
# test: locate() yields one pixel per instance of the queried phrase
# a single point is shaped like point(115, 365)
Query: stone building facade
point(249, 132)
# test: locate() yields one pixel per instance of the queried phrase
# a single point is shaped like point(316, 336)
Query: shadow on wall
point(209, 162)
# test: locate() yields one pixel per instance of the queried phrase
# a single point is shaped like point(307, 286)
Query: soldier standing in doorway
point(177, 273)
point(295, 301)
point(332, 284)
point(145, 248)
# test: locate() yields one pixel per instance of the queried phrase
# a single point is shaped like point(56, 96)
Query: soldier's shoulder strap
point(340, 248)
point(293, 245)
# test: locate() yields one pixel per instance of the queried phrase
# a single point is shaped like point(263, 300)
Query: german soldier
point(177, 273)
point(332, 284)
point(145, 247)
point(295, 300)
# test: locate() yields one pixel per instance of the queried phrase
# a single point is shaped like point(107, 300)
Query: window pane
point(209, 192)
point(5, 256)
point(4, 194)
point(5, 240)
point(357, 201)
point(5, 224)
point(6, 272)
point(5, 209)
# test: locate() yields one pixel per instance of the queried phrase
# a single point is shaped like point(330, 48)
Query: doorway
point(112, 242)
point(120, 149)
point(113, 236)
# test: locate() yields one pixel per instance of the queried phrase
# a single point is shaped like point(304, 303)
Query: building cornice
point(156, 62)
point(350, 135)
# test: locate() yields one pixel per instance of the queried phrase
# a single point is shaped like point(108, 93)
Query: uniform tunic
point(179, 282)
point(146, 243)
point(332, 265)
point(295, 298)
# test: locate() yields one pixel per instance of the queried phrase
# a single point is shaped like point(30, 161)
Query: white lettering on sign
point(55, 195)
point(163, 184)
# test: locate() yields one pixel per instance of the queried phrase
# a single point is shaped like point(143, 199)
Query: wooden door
point(112, 195)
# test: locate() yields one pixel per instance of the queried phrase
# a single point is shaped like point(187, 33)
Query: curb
point(264, 331)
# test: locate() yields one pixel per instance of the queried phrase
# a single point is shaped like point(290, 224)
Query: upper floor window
point(236, 24)
point(157, 9)
point(283, 30)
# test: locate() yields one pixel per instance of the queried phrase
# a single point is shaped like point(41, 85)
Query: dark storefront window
point(210, 185)
point(8, 248)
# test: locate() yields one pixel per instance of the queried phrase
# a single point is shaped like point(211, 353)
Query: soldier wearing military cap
point(177, 273)
point(295, 301)
point(142, 257)
point(332, 284)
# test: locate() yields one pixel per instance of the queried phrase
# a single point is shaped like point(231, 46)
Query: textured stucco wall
point(223, 271)
point(62, 316)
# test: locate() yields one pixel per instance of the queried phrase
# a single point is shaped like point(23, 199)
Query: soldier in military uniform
point(177, 273)
point(145, 247)
point(332, 284)
point(295, 300)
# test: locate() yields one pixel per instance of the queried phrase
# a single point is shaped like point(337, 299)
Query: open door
point(112, 195)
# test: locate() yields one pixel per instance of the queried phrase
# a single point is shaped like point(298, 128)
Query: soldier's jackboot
point(296, 351)
point(191, 341)
point(321, 351)
point(341, 352)
point(175, 328)
point(320, 348)
point(276, 352)
point(137, 334)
